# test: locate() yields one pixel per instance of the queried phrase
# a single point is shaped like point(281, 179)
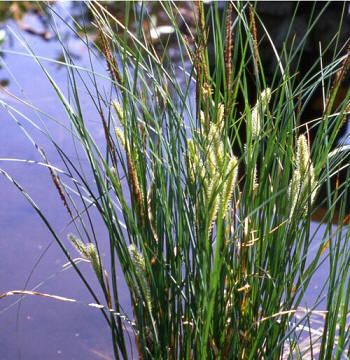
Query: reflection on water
point(40, 328)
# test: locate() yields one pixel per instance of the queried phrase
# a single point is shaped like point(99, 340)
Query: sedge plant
point(208, 197)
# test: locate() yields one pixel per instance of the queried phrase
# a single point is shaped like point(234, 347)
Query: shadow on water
point(40, 328)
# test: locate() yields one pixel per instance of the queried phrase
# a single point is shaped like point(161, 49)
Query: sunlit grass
point(207, 198)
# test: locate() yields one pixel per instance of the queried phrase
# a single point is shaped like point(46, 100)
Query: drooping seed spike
point(119, 110)
point(140, 267)
point(120, 136)
point(89, 252)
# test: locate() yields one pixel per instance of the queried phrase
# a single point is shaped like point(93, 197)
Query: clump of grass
point(208, 210)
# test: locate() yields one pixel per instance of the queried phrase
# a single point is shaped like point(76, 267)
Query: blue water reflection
point(41, 328)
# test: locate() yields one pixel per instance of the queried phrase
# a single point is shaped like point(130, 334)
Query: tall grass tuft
point(207, 197)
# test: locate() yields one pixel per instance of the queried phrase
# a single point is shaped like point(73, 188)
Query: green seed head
point(137, 258)
point(140, 267)
point(258, 110)
point(89, 252)
point(220, 116)
point(302, 189)
point(120, 136)
point(119, 110)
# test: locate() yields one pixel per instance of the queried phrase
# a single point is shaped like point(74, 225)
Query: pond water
point(41, 328)
point(37, 327)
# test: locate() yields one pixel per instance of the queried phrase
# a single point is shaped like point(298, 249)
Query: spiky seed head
point(211, 162)
point(303, 155)
point(265, 96)
point(259, 108)
point(220, 116)
point(307, 172)
point(191, 148)
point(95, 260)
point(79, 245)
point(193, 160)
point(302, 189)
point(230, 183)
point(213, 198)
point(119, 110)
point(255, 122)
point(216, 145)
point(203, 121)
point(120, 136)
point(212, 137)
point(89, 252)
point(294, 191)
point(140, 267)
point(206, 91)
point(137, 258)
